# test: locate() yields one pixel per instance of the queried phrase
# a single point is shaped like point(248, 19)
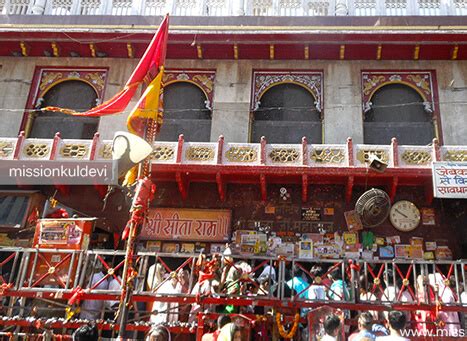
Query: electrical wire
point(168, 111)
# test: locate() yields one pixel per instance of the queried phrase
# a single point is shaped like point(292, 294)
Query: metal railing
point(37, 286)
point(235, 8)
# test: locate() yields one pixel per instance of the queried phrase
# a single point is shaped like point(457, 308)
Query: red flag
point(146, 70)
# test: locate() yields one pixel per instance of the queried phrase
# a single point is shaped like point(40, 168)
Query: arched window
point(285, 114)
point(73, 94)
point(398, 111)
point(185, 112)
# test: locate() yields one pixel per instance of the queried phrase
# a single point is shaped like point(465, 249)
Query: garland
point(292, 331)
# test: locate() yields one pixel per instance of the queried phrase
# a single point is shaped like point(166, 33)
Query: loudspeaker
point(377, 164)
point(128, 150)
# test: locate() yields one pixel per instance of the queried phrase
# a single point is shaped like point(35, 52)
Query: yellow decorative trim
point(163, 153)
point(105, 151)
point(36, 150)
point(455, 52)
point(379, 52)
point(421, 93)
point(327, 155)
point(271, 51)
point(307, 52)
point(129, 48)
point(455, 155)
point(76, 151)
point(24, 48)
point(199, 51)
point(342, 52)
point(55, 50)
point(284, 155)
point(6, 149)
point(241, 154)
point(92, 47)
point(363, 155)
point(199, 153)
point(416, 157)
point(416, 52)
point(235, 47)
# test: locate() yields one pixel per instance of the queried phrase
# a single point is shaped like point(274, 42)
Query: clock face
point(404, 215)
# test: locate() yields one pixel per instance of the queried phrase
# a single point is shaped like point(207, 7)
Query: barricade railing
point(54, 276)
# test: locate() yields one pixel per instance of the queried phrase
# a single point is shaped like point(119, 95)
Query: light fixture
point(74, 54)
point(128, 150)
point(101, 54)
point(47, 53)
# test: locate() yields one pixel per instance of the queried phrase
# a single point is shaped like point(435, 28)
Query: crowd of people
point(221, 276)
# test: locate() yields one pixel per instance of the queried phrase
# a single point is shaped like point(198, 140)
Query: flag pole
point(144, 193)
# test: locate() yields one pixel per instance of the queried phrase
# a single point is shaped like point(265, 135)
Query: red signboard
point(187, 224)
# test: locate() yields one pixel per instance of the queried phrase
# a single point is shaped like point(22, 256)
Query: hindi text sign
point(450, 180)
point(187, 225)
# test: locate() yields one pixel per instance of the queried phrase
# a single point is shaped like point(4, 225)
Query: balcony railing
point(236, 7)
point(238, 154)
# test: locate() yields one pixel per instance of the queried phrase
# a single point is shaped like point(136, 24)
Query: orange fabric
point(146, 69)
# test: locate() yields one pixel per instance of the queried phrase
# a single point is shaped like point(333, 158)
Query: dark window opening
point(398, 111)
point(286, 113)
point(13, 210)
point(185, 112)
point(74, 95)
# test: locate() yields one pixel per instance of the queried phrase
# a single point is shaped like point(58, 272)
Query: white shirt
point(168, 311)
point(114, 286)
point(91, 309)
point(328, 338)
point(316, 292)
point(390, 295)
point(268, 271)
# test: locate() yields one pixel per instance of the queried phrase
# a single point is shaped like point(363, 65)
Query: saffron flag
point(146, 69)
point(147, 107)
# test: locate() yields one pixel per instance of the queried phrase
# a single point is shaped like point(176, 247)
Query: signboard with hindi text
point(450, 179)
point(187, 225)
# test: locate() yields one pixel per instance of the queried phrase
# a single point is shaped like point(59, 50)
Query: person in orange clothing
point(221, 322)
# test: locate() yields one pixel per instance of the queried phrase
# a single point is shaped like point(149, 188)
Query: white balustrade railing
point(238, 154)
point(285, 8)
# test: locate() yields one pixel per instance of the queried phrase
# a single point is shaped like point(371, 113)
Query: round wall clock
point(404, 216)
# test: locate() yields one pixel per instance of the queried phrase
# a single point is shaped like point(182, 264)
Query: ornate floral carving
point(163, 153)
point(241, 154)
point(422, 82)
point(419, 80)
point(416, 157)
point(311, 80)
point(96, 78)
point(6, 149)
point(203, 79)
point(49, 78)
point(371, 82)
point(455, 155)
point(105, 151)
point(199, 153)
point(77, 151)
point(363, 155)
point(327, 155)
point(36, 150)
point(284, 155)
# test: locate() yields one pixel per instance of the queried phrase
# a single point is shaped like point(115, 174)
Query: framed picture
point(353, 221)
point(217, 248)
point(170, 247)
point(386, 252)
point(306, 249)
point(187, 248)
point(402, 251)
